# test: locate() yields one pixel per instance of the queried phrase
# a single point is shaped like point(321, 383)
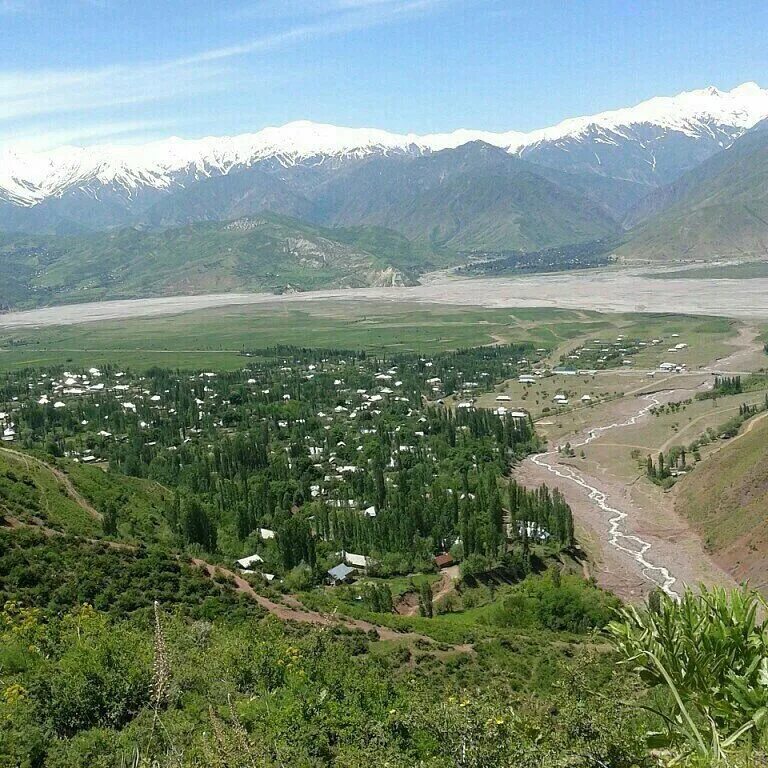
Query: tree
point(425, 600)
point(198, 527)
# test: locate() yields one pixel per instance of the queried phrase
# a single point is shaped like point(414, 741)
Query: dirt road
point(292, 610)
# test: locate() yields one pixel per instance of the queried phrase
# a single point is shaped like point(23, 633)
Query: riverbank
point(621, 290)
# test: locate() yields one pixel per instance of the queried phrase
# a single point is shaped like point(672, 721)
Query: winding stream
point(628, 543)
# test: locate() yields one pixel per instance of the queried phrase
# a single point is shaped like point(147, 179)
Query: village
point(331, 441)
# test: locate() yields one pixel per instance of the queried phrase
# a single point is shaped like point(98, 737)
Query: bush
point(571, 606)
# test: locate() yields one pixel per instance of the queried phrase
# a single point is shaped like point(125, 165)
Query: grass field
point(216, 338)
point(31, 493)
point(745, 271)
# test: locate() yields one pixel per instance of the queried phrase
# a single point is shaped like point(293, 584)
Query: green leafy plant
point(710, 651)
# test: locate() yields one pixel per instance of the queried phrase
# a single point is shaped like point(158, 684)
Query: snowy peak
point(709, 117)
point(688, 113)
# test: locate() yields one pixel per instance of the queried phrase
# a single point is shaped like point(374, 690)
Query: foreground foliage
point(710, 653)
point(86, 689)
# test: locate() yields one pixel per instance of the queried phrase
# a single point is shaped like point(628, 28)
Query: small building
point(247, 562)
point(340, 574)
point(356, 561)
point(266, 533)
point(444, 560)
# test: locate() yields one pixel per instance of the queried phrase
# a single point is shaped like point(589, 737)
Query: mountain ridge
point(27, 179)
point(265, 252)
point(718, 209)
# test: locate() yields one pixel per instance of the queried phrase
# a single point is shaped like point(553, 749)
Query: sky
point(124, 71)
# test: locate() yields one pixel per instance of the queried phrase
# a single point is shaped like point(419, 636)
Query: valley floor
point(605, 290)
point(636, 534)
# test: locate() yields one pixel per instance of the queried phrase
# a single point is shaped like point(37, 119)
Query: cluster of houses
point(350, 566)
point(138, 402)
point(252, 563)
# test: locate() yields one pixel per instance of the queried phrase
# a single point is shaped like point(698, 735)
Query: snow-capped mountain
point(29, 178)
point(644, 146)
point(654, 142)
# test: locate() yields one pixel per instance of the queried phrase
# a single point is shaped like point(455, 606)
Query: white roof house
point(357, 561)
point(266, 533)
point(247, 562)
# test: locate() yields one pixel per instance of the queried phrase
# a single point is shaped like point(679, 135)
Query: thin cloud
point(16, 6)
point(344, 16)
point(32, 94)
point(271, 9)
point(28, 95)
point(42, 138)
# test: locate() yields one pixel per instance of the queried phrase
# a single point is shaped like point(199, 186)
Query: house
point(265, 533)
point(340, 574)
point(444, 560)
point(533, 530)
point(247, 562)
point(356, 561)
point(503, 398)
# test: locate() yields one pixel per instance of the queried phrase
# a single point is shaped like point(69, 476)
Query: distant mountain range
point(673, 177)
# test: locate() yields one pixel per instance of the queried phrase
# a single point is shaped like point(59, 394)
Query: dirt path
point(675, 439)
point(61, 478)
point(292, 610)
point(447, 584)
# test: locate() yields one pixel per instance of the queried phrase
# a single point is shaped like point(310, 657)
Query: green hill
point(256, 253)
point(728, 504)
